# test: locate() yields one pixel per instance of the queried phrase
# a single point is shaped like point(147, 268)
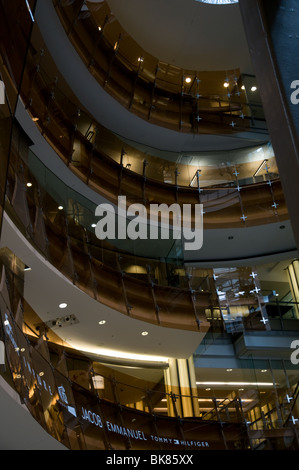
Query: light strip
point(30, 12)
point(261, 384)
point(123, 355)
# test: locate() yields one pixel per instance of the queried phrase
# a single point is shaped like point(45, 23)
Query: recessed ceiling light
point(264, 370)
point(102, 322)
point(60, 208)
point(253, 88)
point(242, 87)
point(29, 185)
point(93, 225)
point(188, 79)
point(208, 389)
point(99, 28)
point(144, 333)
point(229, 370)
point(63, 305)
point(226, 84)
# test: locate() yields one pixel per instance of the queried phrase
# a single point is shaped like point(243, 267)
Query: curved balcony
point(184, 100)
point(232, 194)
point(87, 405)
point(147, 281)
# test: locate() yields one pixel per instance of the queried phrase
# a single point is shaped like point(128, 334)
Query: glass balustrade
point(164, 94)
point(99, 157)
point(86, 404)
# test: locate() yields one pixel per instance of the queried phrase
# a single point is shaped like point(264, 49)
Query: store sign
point(64, 400)
point(95, 419)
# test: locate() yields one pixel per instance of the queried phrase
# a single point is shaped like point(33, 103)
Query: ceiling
point(186, 33)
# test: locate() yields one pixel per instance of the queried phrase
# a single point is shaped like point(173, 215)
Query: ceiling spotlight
point(102, 322)
point(253, 88)
point(264, 370)
point(226, 84)
point(188, 79)
point(60, 208)
point(63, 305)
point(29, 185)
point(144, 333)
point(93, 225)
point(99, 28)
point(229, 370)
point(243, 87)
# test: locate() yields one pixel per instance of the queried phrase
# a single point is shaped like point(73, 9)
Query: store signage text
point(95, 419)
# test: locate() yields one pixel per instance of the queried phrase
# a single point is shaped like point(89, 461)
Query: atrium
point(139, 339)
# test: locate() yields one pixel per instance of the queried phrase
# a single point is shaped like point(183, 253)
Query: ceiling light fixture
point(29, 185)
point(102, 322)
point(218, 2)
point(144, 333)
point(188, 79)
point(253, 88)
point(125, 355)
point(240, 384)
point(226, 84)
point(63, 305)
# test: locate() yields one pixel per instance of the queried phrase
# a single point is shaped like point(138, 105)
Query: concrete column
point(293, 276)
point(271, 28)
point(180, 381)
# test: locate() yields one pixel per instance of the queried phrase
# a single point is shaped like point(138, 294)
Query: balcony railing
point(86, 405)
point(161, 93)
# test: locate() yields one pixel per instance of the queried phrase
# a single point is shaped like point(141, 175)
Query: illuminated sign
point(95, 419)
point(64, 400)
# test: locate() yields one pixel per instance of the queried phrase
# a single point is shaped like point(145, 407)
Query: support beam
point(271, 27)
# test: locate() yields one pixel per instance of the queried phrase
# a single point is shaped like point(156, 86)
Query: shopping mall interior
point(133, 342)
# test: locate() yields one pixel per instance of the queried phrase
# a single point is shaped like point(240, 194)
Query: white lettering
point(294, 358)
point(159, 222)
point(294, 95)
